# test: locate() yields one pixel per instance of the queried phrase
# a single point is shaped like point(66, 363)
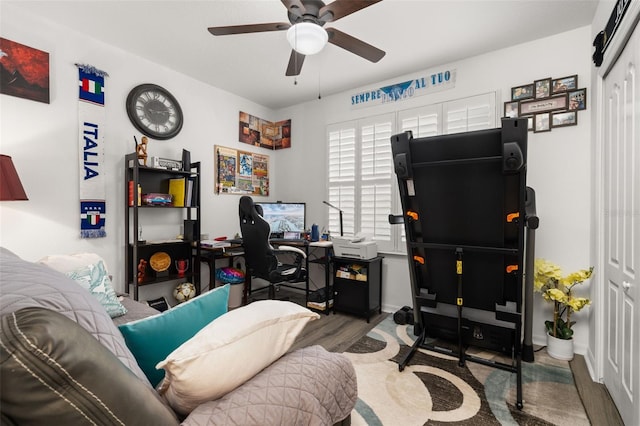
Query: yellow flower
point(577, 303)
point(546, 274)
point(577, 277)
point(546, 268)
point(557, 295)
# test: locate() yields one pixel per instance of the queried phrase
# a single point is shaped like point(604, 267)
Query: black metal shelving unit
point(156, 180)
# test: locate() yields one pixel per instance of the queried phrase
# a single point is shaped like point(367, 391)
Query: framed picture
point(535, 106)
point(511, 109)
point(564, 84)
point(24, 71)
point(541, 123)
point(522, 92)
point(564, 118)
point(542, 88)
point(577, 100)
point(529, 122)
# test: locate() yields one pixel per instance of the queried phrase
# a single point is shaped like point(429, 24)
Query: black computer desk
point(211, 255)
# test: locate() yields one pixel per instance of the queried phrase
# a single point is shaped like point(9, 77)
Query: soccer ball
point(184, 292)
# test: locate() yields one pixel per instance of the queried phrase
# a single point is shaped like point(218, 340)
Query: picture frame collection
point(547, 103)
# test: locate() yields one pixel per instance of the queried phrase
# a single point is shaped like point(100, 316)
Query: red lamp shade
point(10, 185)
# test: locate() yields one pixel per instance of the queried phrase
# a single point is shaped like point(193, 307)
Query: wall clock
point(154, 111)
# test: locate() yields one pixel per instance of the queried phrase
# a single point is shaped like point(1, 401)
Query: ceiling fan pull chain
point(319, 72)
point(295, 58)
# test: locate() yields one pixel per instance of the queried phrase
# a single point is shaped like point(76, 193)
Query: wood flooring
point(595, 398)
point(336, 332)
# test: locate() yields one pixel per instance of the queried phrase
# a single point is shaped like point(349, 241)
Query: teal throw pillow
point(94, 278)
point(152, 339)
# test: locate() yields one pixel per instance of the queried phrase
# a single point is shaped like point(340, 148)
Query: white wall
point(42, 139)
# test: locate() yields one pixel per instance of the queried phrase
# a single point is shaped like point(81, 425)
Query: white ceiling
point(416, 34)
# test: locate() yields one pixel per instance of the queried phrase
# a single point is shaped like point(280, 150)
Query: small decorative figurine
point(142, 268)
point(141, 150)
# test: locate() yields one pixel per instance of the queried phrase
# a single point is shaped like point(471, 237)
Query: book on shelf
point(177, 191)
point(189, 193)
point(189, 198)
point(133, 194)
point(194, 192)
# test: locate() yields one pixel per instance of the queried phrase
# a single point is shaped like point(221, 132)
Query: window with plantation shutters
point(376, 173)
point(361, 179)
point(342, 176)
point(469, 114)
point(423, 121)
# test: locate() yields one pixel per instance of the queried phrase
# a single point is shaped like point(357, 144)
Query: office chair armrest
point(294, 250)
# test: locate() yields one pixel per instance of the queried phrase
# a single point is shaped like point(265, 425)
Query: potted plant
point(557, 289)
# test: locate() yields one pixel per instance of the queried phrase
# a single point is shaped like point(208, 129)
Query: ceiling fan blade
point(295, 7)
point(295, 63)
point(341, 8)
point(354, 45)
point(252, 28)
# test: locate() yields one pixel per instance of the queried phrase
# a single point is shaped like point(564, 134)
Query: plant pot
point(560, 348)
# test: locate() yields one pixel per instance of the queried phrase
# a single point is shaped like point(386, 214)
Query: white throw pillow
point(66, 263)
point(229, 351)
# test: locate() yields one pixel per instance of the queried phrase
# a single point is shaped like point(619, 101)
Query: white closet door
point(622, 231)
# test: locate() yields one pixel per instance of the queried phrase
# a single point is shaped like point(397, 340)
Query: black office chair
point(261, 258)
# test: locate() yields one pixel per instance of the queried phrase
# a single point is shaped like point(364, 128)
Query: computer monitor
point(284, 217)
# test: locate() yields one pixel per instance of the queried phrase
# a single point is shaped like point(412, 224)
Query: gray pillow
point(26, 284)
point(53, 371)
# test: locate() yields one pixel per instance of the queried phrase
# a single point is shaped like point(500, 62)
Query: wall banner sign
point(92, 122)
point(604, 37)
point(428, 84)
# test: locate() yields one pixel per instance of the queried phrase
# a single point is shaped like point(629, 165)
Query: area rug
point(434, 390)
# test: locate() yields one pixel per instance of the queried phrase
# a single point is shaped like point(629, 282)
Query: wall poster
point(241, 172)
point(24, 71)
point(265, 134)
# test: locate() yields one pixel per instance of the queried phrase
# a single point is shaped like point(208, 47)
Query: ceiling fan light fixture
point(307, 38)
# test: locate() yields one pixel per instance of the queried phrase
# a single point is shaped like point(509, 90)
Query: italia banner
point(91, 120)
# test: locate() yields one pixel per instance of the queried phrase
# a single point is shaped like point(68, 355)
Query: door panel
point(622, 230)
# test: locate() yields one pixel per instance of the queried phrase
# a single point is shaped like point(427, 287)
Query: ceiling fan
point(306, 21)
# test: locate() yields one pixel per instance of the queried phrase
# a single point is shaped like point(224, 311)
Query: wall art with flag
point(91, 129)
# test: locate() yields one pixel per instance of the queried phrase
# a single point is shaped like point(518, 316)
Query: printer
point(354, 248)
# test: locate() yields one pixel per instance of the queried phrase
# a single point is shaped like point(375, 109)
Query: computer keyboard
point(287, 240)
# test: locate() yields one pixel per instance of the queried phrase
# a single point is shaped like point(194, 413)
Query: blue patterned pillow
point(95, 279)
